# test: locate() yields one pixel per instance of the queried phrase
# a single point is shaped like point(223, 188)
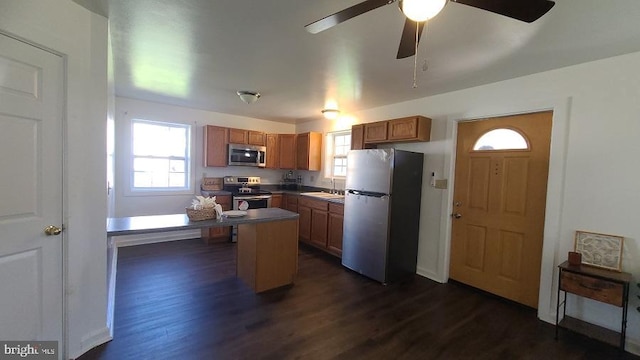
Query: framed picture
point(600, 250)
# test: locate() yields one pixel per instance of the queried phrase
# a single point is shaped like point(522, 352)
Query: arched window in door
point(501, 139)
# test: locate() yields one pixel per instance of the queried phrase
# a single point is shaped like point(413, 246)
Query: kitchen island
point(266, 252)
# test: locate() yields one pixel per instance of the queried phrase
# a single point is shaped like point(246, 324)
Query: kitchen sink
point(323, 195)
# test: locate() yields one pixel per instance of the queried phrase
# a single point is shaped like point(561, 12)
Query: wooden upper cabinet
point(216, 139)
point(357, 137)
point(287, 151)
point(256, 138)
point(412, 128)
point(240, 136)
point(309, 151)
point(415, 128)
point(273, 151)
point(375, 132)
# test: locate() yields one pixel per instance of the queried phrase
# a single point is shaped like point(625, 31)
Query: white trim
point(190, 187)
point(111, 283)
point(92, 340)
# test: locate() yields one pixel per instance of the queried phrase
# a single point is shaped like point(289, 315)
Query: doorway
point(499, 204)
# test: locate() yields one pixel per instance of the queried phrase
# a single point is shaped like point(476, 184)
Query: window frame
point(330, 153)
point(516, 131)
point(189, 187)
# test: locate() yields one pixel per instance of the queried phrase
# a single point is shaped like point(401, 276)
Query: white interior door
point(31, 99)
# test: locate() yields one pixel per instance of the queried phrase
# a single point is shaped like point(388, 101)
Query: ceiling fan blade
point(344, 15)
point(527, 11)
point(408, 40)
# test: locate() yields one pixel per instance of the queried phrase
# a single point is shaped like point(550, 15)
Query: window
point(338, 145)
point(160, 158)
point(501, 139)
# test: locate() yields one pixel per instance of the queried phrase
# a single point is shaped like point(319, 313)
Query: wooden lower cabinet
point(321, 224)
point(218, 234)
point(276, 201)
point(290, 202)
point(334, 232)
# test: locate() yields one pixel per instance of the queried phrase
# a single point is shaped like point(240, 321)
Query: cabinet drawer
point(597, 289)
point(312, 203)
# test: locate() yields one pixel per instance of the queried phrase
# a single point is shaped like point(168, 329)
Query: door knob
point(52, 230)
point(457, 215)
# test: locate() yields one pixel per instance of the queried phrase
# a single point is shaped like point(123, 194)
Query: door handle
point(456, 215)
point(52, 230)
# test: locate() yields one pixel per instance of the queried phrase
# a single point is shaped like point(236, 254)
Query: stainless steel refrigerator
point(382, 213)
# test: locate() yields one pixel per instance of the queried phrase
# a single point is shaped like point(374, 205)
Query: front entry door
point(499, 205)
point(31, 103)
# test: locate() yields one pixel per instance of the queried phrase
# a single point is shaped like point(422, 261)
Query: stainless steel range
point(246, 189)
point(245, 194)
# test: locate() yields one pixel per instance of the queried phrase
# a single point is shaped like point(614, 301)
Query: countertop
point(276, 189)
point(160, 223)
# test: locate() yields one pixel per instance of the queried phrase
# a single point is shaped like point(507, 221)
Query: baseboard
point(92, 340)
point(131, 240)
point(632, 347)
point(111, 287)
point(429, 274)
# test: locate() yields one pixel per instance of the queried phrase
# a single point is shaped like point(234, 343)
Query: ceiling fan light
point(248, 97)
point(422, 10)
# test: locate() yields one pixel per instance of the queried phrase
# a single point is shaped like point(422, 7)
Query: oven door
point(254, 201)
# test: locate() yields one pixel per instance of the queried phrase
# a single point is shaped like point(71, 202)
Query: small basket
point(207, 213)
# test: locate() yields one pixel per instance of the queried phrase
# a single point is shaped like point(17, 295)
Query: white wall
point(80, 37)
point(593, 180)
point(127, 109)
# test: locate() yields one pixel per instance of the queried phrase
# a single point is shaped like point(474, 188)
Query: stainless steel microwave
point(247, 155)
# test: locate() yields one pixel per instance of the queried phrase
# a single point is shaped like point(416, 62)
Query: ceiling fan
point(523, 10)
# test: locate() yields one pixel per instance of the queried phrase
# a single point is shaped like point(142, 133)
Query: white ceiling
point(198, 53)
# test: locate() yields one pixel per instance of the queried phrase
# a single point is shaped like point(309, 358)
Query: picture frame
point(600, 250)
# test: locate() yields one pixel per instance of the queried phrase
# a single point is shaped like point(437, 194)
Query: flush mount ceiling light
point(422, 10)
point(331, 114)
point(248, 97)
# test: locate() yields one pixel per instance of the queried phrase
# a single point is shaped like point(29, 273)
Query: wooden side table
point(602, 285)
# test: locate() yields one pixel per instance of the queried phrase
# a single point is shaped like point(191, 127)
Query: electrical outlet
point(312, 178)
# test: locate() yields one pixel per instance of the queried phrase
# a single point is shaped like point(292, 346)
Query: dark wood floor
point(181, 300)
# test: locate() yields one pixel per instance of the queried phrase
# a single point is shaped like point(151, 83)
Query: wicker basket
point(207, 213)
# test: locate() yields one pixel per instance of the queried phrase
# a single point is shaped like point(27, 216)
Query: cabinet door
point(402, 129)
point(291, 203)
point(334, 236)
point(287, 153)
point(357, 137)
point(238, 136)
point(309, 151)
point(215, 145)
point(375, 132)
point(302, 151)
point(256, 138)
point(219, 232)
point(319, 221)
point(276, 201)
point(273, 151)
point(305, 223)
point(415, 128)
